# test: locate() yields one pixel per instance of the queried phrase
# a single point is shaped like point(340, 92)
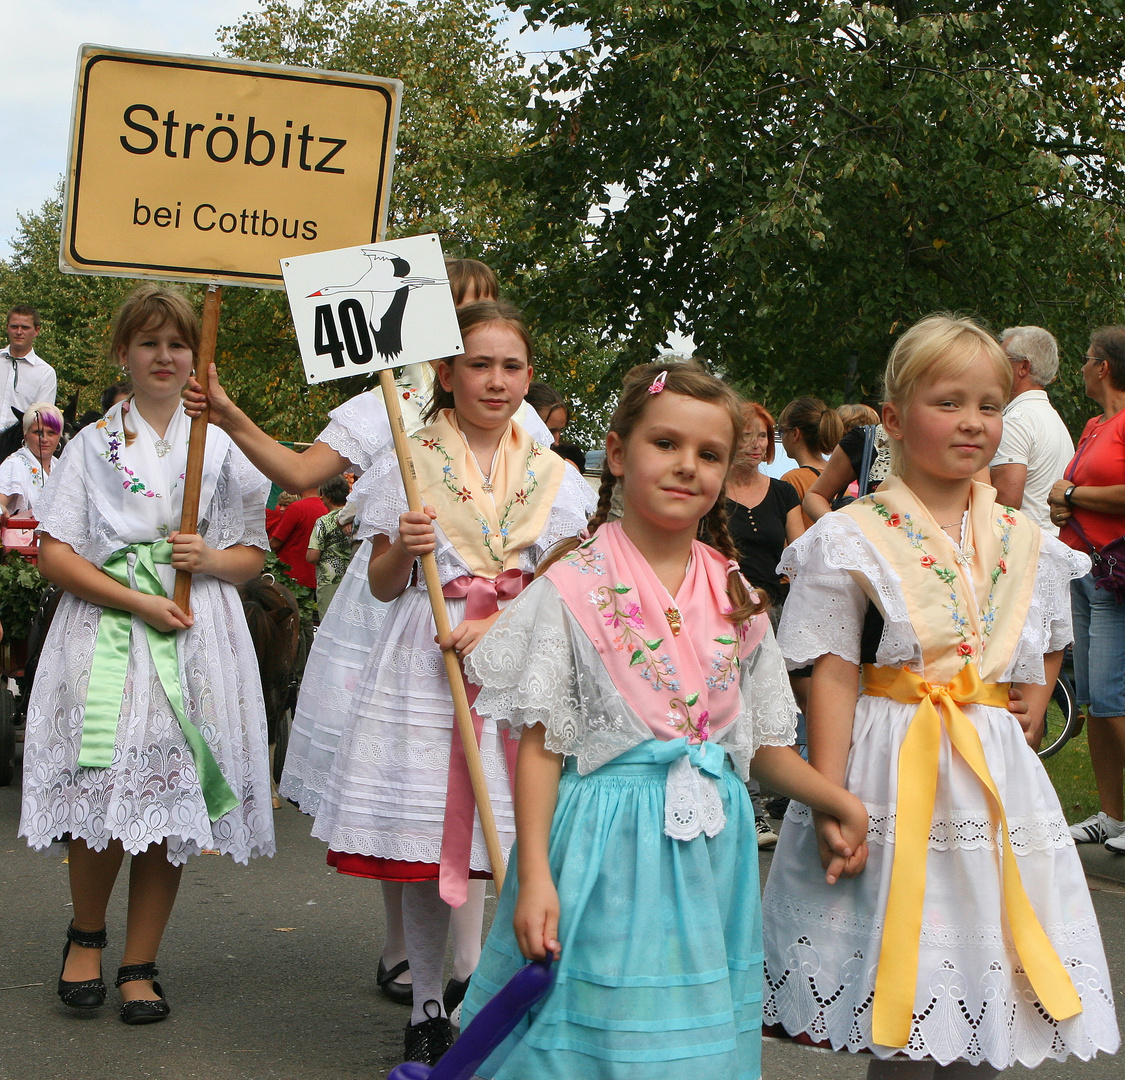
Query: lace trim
point(404, 848)
point(1042, 831)
point(692, 804)
point(825, 609)
point(972, 1014)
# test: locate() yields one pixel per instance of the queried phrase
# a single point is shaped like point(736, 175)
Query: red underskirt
point(369, 866)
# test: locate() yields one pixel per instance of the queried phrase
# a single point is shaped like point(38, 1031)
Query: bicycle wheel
point(1064, 721)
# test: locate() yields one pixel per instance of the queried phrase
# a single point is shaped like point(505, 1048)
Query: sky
point(42, 38)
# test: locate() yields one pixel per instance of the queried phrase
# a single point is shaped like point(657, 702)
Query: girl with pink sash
point(969, 942)
point(643, 679)
point(497, 501)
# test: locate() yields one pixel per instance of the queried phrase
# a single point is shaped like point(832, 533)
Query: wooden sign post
point(192, 168)
point(342, 302)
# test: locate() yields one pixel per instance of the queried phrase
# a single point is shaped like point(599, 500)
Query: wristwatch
point(1068, 494)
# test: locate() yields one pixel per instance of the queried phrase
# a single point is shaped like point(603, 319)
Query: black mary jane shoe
point(89, 994)
point(399, 992)
point(455, 991)
point(142, 1011)
point(428, 1040)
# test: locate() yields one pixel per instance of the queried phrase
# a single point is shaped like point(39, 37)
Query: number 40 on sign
point(359, 310)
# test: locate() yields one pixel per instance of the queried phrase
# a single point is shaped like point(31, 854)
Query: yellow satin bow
point(897, 975)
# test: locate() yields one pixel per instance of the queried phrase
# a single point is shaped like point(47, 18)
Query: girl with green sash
point(969, 943)
point(146, 731)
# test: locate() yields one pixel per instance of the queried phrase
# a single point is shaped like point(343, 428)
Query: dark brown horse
point(275, 628)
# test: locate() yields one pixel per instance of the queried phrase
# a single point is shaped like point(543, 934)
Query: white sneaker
point(766, 836)
point(1097, 829)
point(1116, 845)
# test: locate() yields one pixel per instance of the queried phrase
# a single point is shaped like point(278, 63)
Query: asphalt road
point(270, 971)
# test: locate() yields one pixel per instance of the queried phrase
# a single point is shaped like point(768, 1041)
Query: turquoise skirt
point(661, 939)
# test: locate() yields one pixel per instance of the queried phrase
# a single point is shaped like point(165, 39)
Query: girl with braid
point(643, 677)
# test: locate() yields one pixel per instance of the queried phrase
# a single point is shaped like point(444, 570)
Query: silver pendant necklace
point(163, 448)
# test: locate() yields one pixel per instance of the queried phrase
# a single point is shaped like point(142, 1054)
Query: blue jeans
point(1099, 648)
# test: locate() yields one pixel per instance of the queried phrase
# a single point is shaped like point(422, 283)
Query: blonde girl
point(969, 942)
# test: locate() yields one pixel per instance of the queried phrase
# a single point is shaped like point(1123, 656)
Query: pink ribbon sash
point(482, 598)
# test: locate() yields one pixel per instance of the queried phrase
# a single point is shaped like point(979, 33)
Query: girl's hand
point(191, 553)
point(221, 408)
point(536, 921)
point(842, 841)
point(464, 637)
point(161, 613)
point(416, 531)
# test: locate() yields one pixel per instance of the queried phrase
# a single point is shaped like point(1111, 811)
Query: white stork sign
point(361, 309)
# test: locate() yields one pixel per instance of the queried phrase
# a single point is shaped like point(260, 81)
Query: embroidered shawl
point(140, 490)
point(954, 601)
point(488, 529)
point(674, 660)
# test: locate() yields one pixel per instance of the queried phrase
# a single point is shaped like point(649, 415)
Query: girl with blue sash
point(643, 679)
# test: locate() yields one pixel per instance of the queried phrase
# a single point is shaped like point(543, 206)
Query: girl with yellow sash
point(397, 805)
point(969, 943)
point(146, 731)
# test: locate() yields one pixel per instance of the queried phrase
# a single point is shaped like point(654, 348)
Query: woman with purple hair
point(24, 473)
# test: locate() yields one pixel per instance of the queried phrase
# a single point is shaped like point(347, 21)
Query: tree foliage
point(76, 309)
point(791, 182)
point(460, 97)
point(460, 92)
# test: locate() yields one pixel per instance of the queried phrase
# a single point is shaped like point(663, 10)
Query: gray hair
point(1037, 345)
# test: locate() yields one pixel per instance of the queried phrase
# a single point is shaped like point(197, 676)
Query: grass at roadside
point(1073, 776)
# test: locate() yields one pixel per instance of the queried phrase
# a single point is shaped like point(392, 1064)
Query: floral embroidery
point(624, 615)
point(586, 559)
point(463, 495)
point(134, 485)
point(948, 576)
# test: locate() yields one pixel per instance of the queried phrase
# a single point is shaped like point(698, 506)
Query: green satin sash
point(110, 665)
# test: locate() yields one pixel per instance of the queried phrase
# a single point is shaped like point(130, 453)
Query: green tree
point(461, 93)
point(461, 90)
point(791, 182)
point(76, 309)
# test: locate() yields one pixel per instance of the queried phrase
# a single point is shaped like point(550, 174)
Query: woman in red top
point(1089, 502)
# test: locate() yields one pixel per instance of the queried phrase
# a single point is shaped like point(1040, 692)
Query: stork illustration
point(383, 289)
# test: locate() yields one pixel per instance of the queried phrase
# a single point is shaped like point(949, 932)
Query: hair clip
point(658, 383)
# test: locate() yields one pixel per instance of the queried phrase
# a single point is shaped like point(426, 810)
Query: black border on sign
point(233, 70)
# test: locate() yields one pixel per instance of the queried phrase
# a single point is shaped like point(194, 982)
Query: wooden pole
point(193, 477)
point(461, 711)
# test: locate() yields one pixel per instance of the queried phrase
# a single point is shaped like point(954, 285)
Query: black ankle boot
point(91, 993)
point(142, 1011)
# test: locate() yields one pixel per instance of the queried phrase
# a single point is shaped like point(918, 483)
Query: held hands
point(536, 921)
point(842, 841)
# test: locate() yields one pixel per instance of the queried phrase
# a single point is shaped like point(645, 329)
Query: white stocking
point(394, 943)
point(425, 922)
point(466, 924)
